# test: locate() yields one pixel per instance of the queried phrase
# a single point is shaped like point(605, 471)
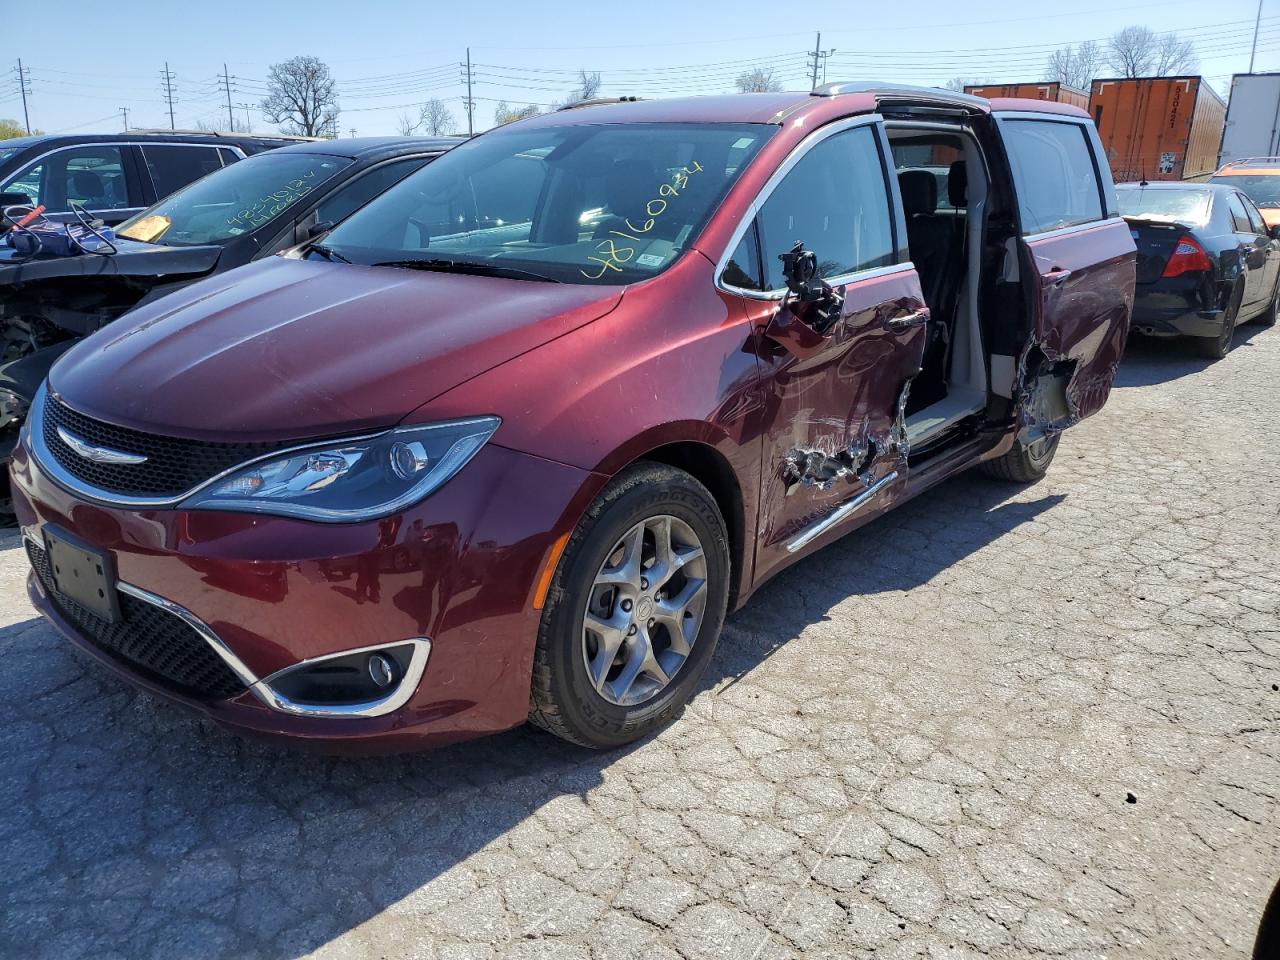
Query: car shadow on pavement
point(128, 828)
point(1151, 360)
point(900, 551)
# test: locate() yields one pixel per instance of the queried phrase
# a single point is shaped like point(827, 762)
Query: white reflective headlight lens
point(352, 480)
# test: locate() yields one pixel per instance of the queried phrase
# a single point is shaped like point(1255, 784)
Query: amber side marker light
point(549, 571)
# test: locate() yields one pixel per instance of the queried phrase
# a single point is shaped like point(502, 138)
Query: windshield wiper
point(327, 252)
point(466, 266)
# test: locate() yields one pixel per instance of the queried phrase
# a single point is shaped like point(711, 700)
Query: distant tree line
point(1131, 52)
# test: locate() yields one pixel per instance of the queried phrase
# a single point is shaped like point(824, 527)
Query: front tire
point(634, 611)
point(1024, 463)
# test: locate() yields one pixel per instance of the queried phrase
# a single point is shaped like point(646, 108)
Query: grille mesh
point(148, 639)
point(173, 465)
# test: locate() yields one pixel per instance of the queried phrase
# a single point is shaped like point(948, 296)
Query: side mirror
point(1274, 231)
point(14, 198)
point(311, 231)
point(813, 299)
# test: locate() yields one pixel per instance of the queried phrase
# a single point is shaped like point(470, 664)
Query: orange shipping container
point(1158, 128)
point(1057, 92)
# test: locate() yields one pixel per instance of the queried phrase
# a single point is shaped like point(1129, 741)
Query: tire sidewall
point(593, 717)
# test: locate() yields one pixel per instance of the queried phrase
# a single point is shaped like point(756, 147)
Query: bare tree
point(407, 124)
point(759, 80)
point(588, 87)
point(1074, 66)
point(1175, 55)
point(505, 114)
point(302, 97)
point(1141, 52)
point(1132, 52)
point(435, 118)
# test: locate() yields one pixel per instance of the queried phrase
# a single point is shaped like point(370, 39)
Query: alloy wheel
point(644, 611)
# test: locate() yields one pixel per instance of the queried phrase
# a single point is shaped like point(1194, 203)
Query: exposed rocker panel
point(843, 512)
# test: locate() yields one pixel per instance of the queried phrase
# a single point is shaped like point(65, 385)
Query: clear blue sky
point(88, 60)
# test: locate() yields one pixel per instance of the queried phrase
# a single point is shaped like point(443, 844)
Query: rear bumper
point(459, 568)
point(1175, 312)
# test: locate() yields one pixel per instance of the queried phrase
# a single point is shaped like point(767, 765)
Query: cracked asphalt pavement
point(1000, 722)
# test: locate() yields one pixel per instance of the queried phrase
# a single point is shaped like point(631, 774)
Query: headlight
point(355, 480)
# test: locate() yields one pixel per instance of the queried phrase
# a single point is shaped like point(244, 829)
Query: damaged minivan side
point(513, 440)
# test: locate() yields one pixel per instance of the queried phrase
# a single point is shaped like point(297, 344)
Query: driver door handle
point(906, 322)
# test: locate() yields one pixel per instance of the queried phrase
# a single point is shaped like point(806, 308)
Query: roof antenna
point(1144, 182)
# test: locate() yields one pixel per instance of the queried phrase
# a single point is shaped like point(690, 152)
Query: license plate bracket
point(83, 573)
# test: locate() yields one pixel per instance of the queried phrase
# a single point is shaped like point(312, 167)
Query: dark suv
point(515, 436)
point(113, 176)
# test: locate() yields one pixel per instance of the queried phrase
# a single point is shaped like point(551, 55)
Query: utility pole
point(24, 87)
point(226, 85)
point(1254, 52)
point(352, 131)
point(124, 112)
point(167, 76)
point(471, 127)
point(248, 124)
point(819, 56)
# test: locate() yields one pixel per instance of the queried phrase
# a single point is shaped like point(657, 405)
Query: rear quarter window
point(1054, 174)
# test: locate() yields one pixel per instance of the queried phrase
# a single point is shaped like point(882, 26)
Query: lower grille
point(149, 640)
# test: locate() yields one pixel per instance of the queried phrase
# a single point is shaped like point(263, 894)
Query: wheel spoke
point(609, 634)
point(640, 661)
point(627, 571)
point(672, 611)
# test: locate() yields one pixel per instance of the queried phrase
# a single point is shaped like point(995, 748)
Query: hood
point(133, 260)
point(289, 349)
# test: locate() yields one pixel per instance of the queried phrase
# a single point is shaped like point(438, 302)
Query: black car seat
point(936, 245)
point(89, 186)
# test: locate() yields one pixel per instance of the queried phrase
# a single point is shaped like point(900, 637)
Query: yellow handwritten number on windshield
point(609, 255)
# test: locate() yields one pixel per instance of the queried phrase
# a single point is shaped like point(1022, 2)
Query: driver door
point(833, 448)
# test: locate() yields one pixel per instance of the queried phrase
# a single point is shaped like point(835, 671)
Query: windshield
point(607, 204)
point(235, 200)
point(1187, 206)
point(1262, 189)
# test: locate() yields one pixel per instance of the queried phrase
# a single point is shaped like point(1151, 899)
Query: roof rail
point(596, 101)
point(899, 91)
point(1244, 161)
point(162, 132)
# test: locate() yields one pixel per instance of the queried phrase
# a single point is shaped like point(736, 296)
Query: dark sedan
point(256, 207)
point(1206, 262)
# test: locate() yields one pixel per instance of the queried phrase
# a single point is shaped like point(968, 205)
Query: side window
point(836, 201)
point(89, 175)
point(1239, 216)
point(355, 194)
point(228, 156)
point(173, 167)
point(1256, 223)
point(743, 269)
point(28, 182)
point(1054, 174)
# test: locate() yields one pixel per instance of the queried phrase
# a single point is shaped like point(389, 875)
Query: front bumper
point(459, 568)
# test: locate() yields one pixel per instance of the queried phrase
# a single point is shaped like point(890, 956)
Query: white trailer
point(1253, 118)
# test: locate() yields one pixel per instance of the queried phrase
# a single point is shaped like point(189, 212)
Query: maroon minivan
point(511, 441)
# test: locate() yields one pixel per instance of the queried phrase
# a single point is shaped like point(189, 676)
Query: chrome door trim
point(840, 514)
point(749, 215)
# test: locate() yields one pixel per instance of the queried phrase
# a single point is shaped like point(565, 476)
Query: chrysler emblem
point(99, 454)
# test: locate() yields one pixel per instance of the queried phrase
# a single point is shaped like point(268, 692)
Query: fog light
point(381, 671)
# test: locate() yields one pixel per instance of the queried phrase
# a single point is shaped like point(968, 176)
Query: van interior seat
point(934, 244)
